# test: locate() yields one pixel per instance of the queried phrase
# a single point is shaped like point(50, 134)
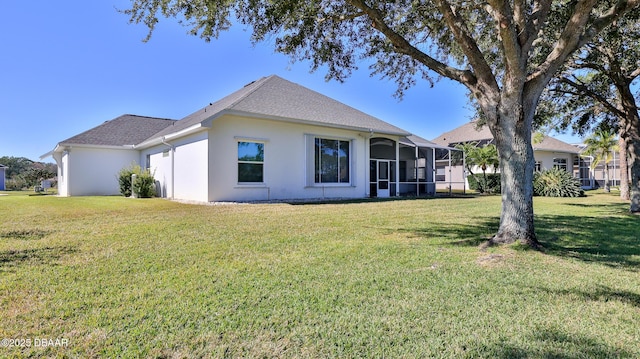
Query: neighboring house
point(594, 177)
point(548, 153)
point(2, 177)
point(270, 140)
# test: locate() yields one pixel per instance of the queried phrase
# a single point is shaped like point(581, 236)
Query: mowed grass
point(120, 277)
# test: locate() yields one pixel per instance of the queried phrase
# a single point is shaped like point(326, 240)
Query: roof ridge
point(142, 116)
point(259, 83)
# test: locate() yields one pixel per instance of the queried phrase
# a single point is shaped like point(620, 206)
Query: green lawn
point(118, 277)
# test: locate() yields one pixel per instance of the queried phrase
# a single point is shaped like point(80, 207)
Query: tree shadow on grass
point(555, 343)
point(610, 240)
point(599, 293)
point(303, 202)
point(10, 259)
point(30, 234)
point(459, 235)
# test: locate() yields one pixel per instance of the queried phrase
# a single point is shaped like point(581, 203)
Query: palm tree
point(600, 145)
point(483, 157)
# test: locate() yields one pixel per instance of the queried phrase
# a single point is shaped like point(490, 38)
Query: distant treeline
point(24, 173)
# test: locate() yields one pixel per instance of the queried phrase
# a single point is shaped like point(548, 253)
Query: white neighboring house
point(270, 140)
point(548, 153)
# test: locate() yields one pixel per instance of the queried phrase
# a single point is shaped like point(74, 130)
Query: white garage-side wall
point(191, 167)
point(180, 167)
point(158, 161)
point(288, 160)
point(93, 171)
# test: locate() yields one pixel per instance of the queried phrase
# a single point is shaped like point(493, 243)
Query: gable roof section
point(555, 145)
point(465, 133)
point(417, 141)
point(469, 132)
point(126, 130)
point(275, 98)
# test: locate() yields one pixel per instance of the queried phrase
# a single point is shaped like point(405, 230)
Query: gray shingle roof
point(121, 131)
point(470, 132)
point(465, 133)
point(276, 98)
point(414, 140)
point(555, 145)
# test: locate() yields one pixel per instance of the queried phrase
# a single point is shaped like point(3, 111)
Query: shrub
point(476, 183)
point(556, 182)
point(144, 185)
point(15, 184)
point(124, 180)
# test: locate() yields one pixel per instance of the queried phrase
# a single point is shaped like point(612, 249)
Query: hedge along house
point(548, 153)
point(270, 140)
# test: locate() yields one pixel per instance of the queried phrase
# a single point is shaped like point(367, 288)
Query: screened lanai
point(410, 167)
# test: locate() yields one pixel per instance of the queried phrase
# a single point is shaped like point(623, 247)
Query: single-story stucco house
point(2, 177)
point(270, 140)
point(548, 152)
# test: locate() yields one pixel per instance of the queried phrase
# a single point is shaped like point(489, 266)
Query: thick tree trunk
point(512, 133)
point(631, 126)
point(633, 145)
point(623, 167)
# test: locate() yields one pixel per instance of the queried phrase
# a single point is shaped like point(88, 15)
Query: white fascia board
point(432, 145)
point(50, 153)
point(555, 151)
point(208, 122)
point(159, 140)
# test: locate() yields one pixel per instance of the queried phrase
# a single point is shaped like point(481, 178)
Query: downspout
point(173, 153)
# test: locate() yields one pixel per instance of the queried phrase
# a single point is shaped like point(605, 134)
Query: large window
point(250, 162)
point(332, 161)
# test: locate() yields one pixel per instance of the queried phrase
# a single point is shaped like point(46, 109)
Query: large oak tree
point(488, 46)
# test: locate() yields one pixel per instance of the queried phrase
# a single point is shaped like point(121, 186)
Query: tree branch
point(569, 40)
point(502, 12)
point(404, 47)
point(586, 91)
point(635, 73)
point(468, 45)
point(539, 15)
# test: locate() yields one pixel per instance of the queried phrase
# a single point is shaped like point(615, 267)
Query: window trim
point(238, 161)
point(564, 165)
point(311, 161)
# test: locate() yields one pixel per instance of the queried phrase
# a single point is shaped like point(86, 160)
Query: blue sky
point(68, 66)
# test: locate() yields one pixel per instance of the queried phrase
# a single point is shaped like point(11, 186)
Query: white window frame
point(238, 161)
point(311, 161)
point(562, 165)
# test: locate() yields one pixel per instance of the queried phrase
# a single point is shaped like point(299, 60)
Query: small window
point(250, 162)
point(560, 163)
